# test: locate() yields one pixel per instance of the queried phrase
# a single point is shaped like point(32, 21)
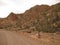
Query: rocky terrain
point(40, 17)
point(41, 22)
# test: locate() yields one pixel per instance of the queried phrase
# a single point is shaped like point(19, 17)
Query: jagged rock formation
point(47, 16)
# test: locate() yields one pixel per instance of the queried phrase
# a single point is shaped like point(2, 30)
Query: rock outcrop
point(47, 16)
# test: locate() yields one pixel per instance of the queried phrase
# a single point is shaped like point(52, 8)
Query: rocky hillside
point(39, 17)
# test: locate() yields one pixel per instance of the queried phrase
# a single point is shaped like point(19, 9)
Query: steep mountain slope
point(46, 17)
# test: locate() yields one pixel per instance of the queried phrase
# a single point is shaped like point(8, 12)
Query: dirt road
point(12, 38)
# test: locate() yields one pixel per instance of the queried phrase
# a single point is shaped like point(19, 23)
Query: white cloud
point(19, 6)
point(2, 3)
point(49, 2)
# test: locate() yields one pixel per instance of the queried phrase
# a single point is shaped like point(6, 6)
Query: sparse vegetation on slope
point(39, 18)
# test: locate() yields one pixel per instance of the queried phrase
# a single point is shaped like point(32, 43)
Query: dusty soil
point(19, 38)
point(45, 38)
point(13, 38)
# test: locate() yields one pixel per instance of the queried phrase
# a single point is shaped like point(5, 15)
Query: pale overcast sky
point(19, 6)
